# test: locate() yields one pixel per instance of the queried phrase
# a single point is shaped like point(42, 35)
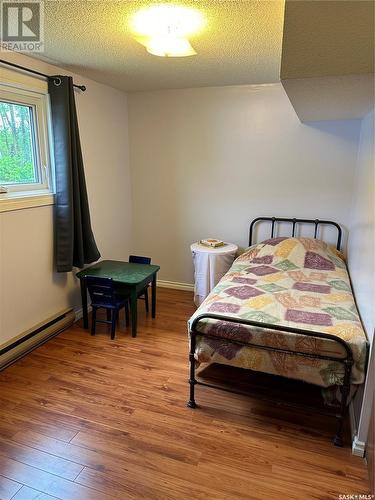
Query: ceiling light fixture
point(163, 29)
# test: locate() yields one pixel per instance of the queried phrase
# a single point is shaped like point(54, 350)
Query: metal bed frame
point(347, 360)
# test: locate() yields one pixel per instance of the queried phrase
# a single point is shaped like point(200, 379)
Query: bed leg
point(191, 403)
point(338, 439)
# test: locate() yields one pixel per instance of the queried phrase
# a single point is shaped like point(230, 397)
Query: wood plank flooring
point(85, 417)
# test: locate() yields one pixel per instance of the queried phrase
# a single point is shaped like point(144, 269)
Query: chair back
point(101, 291)
point(138, 259)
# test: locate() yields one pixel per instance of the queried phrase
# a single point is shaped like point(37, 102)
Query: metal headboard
point(294, 221)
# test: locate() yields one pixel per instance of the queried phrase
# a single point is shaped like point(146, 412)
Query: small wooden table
point(130, 279)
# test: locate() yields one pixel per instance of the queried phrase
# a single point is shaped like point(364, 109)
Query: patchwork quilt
point(295, 282)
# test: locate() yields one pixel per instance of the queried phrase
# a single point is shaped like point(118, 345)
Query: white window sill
point(26, 199)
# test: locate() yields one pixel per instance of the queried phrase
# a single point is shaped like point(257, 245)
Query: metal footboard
point(347, 361)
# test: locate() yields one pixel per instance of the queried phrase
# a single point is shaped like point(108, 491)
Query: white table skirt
point(210, 265)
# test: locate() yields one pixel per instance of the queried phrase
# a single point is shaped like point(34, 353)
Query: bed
point(285, 308)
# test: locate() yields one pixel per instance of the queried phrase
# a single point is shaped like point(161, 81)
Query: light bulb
point(163, 29)
point(162, 20)
point(169, 46)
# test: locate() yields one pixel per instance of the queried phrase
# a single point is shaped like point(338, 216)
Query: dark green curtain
point(74, 240)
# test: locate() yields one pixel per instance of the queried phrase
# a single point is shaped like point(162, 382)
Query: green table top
point(126, 273)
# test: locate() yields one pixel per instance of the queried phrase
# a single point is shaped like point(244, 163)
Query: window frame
point(22, 89)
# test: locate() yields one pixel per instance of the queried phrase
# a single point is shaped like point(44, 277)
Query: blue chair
point(103, 295)
point(138, 259)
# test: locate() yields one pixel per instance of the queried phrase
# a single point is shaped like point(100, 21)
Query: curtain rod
point(2, 61)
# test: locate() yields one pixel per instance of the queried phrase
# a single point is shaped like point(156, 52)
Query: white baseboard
point(189, 287)
point(358, 447)
point(353, 421)
point(79, 312)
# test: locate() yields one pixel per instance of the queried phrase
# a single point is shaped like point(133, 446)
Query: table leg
point(84, 303)
point(153, 297)
point(133, 312)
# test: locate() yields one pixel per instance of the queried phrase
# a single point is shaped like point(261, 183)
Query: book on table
point(212, 242)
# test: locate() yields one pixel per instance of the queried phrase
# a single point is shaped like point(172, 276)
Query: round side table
point(210, 265)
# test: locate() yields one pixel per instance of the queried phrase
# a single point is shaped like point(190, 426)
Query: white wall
point(361, 254)
point(206, 161)
point(30, 290)
point(361, 236)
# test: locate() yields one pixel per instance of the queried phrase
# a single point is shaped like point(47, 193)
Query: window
point(24, 141)
point(18, 163)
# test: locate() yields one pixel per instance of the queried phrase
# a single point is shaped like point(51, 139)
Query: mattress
point(294, 282)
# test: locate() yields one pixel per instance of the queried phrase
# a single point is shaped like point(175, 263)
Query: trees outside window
point(17, 144)
point(25, 138)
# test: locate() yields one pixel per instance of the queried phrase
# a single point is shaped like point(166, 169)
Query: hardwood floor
point(89, 418)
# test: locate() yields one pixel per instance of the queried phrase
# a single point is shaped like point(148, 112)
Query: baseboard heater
point(29, 340)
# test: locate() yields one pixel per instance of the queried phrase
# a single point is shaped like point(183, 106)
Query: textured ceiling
point(328, 37)
point(328, 58)
point(240, 44)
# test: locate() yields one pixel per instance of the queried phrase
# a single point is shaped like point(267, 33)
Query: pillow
point(295, 253)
